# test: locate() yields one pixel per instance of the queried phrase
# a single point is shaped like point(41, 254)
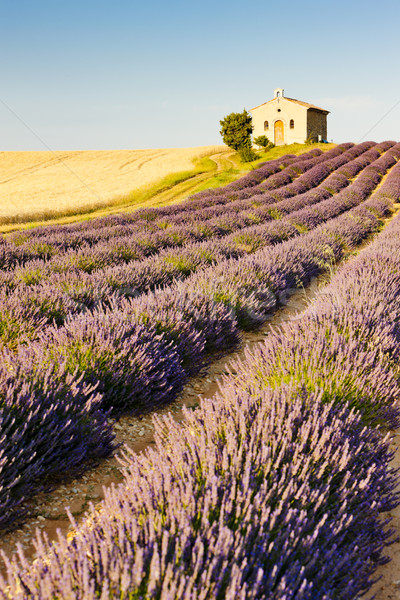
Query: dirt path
point(388, 585)
point(186, 188)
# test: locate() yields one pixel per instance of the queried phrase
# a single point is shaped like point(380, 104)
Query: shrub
point(247, 154)
point(264, 142)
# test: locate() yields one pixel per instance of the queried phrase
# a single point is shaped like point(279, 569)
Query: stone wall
point(316, 124)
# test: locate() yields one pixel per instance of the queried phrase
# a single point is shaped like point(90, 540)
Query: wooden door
point(279, 137)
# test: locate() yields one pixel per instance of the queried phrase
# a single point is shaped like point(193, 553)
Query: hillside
point(40, 186)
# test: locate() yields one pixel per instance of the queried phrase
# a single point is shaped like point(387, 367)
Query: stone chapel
point(286, 120)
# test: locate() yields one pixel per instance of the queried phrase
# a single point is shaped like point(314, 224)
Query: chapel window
point(266, 125)
point(291, 124)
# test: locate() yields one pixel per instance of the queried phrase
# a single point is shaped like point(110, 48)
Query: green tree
point(236, 130)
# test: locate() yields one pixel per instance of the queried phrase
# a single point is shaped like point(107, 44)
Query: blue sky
point(94, 74)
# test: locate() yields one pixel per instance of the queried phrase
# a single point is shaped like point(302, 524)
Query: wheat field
point(46, 183)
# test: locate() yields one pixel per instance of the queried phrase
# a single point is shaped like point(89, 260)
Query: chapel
point(286, 120)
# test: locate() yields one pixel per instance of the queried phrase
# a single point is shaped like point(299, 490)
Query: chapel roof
point(306, 104)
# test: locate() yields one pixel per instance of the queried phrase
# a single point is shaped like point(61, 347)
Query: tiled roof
point(306, 104)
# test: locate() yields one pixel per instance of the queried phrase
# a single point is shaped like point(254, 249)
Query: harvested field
point(44, 184)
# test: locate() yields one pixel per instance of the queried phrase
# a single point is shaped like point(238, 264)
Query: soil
point(388, 585)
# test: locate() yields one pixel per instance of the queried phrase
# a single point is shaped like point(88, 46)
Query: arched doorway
point(279, 137)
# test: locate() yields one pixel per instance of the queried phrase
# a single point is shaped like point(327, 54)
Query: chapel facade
point(286, 120)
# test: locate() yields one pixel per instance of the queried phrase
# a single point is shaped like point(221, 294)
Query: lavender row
point(273, 488)
point(59, 392)
point(27, 308)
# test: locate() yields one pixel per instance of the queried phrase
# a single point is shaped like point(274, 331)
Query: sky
point(95, 74)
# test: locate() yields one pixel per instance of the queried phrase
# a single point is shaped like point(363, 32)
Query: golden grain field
point(43, 183)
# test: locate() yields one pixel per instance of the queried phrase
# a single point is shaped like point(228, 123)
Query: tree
point(236, 130)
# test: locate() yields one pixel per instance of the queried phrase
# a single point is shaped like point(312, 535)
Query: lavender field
point(274, 488)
